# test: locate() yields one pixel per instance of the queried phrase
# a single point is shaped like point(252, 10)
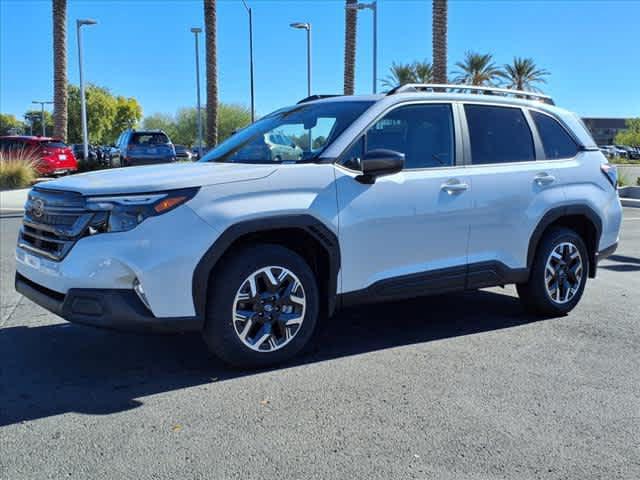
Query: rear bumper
point(118, 309)
point(137, 161)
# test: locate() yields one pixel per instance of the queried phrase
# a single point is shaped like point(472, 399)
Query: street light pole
point(374, 7)
point(196, 31)
point(42, 104)
point(253, 105)
point(83, 104)
point(307, 27)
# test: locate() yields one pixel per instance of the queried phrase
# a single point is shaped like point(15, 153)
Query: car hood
point(155, 178)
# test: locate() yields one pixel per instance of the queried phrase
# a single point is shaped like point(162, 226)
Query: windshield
point(289, 135)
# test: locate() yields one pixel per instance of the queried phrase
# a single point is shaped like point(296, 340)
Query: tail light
point(611, 172)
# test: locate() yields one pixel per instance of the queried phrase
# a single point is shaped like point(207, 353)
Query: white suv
point(419, 191)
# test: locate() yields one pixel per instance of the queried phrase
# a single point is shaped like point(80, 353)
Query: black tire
point(534, 295)
point(219, 332)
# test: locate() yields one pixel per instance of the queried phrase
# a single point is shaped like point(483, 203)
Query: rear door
point(513, 186)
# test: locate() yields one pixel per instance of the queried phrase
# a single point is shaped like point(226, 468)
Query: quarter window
point(555, 140)
point(498, 135)
point(424, 133)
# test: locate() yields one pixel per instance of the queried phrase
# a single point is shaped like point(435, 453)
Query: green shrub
point(17, 169)
point(623, 181)
point(638, 181)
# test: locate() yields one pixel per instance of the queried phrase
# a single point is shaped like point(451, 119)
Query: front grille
point(53, 222)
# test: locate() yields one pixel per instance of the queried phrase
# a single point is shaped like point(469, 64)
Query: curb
point(630, 202)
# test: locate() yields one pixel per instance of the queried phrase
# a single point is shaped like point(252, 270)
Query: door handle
point(544, 179)
point(454, 186)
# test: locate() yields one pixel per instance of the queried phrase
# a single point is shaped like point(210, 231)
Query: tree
point(107, 116)
point(182, 127)
point(128, 114)
point(523, 73)
point(439, 40)
point(164, 122)
point(631, 135)
point(10, 125)
point(401, 74)
point(212, 71)
point(33, 122)
point(60, 68)
point(478, 69)
point(350, 27)
point(232, 118)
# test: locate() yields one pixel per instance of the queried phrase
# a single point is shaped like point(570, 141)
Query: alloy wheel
point(269, 309)
point(563, 272)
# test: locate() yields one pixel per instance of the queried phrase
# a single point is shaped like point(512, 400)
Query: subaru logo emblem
point(37, 208)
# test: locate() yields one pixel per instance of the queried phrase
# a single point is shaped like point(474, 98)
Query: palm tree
point(523, 73)
point(439, 41)
point(350, 26)
point(401, 74)
point(423, 72)
point(212, 72)
point(478, 69)
point(60, 68)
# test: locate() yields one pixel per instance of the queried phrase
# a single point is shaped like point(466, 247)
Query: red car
point(55, 157)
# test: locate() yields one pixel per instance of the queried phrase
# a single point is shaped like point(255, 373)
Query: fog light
point(137, 287)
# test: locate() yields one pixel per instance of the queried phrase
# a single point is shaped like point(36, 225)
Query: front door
point(406, 234)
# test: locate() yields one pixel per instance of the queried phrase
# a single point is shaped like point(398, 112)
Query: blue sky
point(143, 48)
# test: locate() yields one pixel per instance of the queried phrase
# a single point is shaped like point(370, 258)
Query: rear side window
point(498, 135)
point(556, 141)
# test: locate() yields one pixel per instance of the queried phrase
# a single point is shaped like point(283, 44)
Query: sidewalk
point(12, 201)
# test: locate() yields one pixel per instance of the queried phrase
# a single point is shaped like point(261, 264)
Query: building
point(604, 130)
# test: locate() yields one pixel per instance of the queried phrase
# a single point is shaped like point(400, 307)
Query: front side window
point(424, 133)
point(289, 135)
point(555, 140)
point(498, 135)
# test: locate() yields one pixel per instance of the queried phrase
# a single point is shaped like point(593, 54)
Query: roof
point(30, 137)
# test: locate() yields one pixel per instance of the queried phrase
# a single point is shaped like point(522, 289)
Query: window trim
point(573, 138)
point(457, 140)
point(468, 160)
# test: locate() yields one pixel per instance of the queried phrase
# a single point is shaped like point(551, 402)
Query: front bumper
point(118, 309)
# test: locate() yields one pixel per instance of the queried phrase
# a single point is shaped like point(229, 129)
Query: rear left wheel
point(558, 274)
point(262, 306)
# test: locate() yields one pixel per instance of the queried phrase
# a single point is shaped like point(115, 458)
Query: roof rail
point(311, 98)
point(461, 88)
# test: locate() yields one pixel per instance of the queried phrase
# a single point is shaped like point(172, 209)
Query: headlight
point(122, 213)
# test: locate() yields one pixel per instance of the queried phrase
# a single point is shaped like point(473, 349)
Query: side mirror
point(379, 162)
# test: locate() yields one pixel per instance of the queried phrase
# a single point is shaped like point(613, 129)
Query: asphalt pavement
point(453, 387)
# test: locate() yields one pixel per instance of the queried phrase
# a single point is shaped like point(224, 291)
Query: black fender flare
point(564, 211)
point(308, 223)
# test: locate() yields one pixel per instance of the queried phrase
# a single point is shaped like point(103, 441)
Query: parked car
point(631, 152)
point(408, 194)
point(609, 151)
point(183, 152)
point(619, 152)
point(55, 157)
point(145, 147)
point(199, 152)
point(78, 151)
point(276, 146)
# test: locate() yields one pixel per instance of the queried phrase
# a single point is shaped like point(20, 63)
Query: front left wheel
point(262, 306)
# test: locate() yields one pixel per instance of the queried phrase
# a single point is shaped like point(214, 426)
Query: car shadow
point(622, 263)
point(54, 369)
